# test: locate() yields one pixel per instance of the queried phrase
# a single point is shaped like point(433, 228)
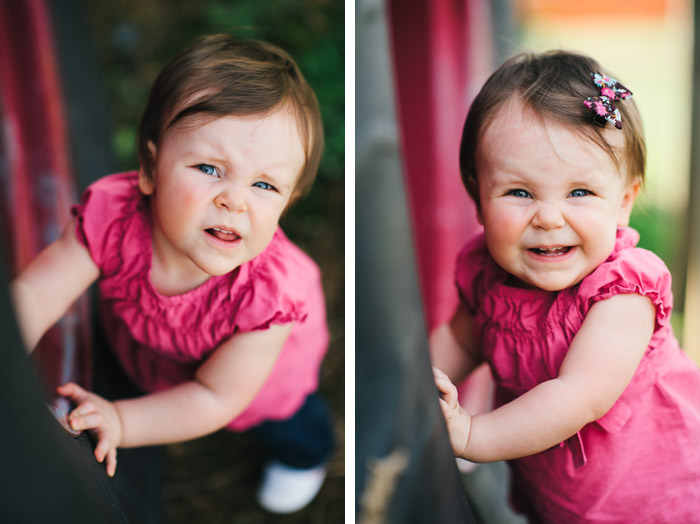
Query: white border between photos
point(349, 261)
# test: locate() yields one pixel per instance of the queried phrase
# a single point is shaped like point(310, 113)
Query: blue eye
point(520, 193)
point(580, 193)
point(207, 169)
point(264, 185)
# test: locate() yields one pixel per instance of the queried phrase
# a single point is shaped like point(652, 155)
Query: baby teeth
point(550, 251)
point(222, 230)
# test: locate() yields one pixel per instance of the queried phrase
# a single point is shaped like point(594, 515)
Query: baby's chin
point(220, 271)
point(552, 283)
point(218, 268)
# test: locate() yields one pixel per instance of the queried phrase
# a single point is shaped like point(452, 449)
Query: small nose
point(232, 199)
point(547, 217)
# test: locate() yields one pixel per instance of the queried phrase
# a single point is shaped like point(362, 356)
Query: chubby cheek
point(190, 200)
point(593, 224)
point(265, 222)
point(183, 195)
point(504, 222)
point(177, 210)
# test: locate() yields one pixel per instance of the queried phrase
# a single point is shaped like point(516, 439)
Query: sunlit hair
point(221, 76)
point(553, 85)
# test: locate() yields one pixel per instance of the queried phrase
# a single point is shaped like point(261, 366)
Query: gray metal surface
point(405, 471)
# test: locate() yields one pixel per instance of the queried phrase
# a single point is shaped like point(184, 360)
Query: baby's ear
point(474, 194)
point(146, 184)
point(627, 203)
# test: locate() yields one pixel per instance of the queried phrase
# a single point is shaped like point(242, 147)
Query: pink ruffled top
point(161, 340)
point(638, 463)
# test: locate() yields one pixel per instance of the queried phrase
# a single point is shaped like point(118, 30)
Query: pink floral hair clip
point(602, 106)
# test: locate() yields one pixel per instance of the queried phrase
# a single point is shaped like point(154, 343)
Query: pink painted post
point(439, 49)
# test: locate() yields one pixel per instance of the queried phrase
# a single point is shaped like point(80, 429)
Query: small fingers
point(446, 411)
point(90, 420)
point(442, 381)
point(437, 372)
point(103, 445)
point(72, 391)
point(447, 389)
point(111, 461)
point(105, 450)
point(84, 408)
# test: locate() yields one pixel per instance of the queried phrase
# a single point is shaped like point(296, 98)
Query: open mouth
point(222, 234)
point(551, 252)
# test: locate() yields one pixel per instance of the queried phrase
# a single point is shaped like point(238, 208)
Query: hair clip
point(602, 106)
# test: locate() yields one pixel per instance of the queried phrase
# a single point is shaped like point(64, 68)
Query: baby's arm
point(452, 347)
point(46, 288)
point(222, 388)
point(599, 365)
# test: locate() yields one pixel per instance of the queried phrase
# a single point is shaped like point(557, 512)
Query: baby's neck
point(513, 281)
point(173, 277)
point(169, 285)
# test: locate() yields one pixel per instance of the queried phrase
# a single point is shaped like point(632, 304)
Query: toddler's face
point(551, 201)
point(218, 189)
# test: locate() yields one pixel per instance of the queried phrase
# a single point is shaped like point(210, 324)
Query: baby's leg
point(303, 441)
point(298, 449)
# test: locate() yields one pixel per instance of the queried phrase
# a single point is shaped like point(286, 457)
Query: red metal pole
point(36, 181)
point(434, 45)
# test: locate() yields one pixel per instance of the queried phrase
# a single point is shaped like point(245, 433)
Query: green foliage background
point(136, 49)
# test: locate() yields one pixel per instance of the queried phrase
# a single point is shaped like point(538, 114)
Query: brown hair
point(554, 85)
point(219, 75)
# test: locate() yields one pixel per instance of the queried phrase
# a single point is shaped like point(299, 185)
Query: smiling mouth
point(551, 252)
point(223, 234)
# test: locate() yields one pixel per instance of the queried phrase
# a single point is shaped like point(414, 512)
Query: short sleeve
point(101, 217)
point(283, 285)
point(472, 271)
point(630, 271)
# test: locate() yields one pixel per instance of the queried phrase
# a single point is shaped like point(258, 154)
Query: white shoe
point(285, 490)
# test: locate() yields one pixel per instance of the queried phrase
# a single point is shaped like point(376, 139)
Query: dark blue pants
point(303, 441)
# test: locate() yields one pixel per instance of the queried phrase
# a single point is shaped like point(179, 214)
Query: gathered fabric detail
point(577, 450)
point(247, 299)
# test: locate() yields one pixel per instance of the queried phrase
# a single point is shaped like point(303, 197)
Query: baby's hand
point(100, 417)
point(458, 419)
